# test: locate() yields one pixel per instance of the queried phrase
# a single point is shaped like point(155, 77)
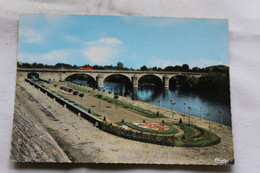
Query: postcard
point(122, 89)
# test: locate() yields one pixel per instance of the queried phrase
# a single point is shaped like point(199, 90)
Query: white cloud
point(102, 51)
point(106, 41)
point(99, 55)
point(51, 57)
point(161, 63)
point(30, 35)
point(110, 41)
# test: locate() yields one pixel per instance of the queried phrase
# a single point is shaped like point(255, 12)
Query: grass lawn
point(189, 138)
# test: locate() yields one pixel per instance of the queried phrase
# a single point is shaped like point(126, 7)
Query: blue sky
point(135, 41)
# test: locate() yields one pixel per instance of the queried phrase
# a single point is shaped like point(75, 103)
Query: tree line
point(120, 66)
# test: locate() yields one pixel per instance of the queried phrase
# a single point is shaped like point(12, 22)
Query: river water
point(200, 103)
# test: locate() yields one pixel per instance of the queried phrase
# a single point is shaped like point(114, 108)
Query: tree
point(143, 68)
point(100, 97)
point(159, 101)
point(116, 97)
point(75, 92)
point(120, 66)
point(184, 109)
point(208, 114)
point(154, 68)
point(172, 106)
point(185, 67)
point(70, 90)
point(169, 68)
point(81, 95)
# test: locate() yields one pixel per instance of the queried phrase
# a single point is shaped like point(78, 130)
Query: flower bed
point(153, 126)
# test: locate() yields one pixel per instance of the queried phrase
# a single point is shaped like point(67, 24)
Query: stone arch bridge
point(99, 76)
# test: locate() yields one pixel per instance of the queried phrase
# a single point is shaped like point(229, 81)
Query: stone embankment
point(31, 142)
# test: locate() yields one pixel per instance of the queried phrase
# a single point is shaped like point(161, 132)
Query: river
point(200, 103)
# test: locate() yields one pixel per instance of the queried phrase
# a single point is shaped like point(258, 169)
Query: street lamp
point(221, 115)
point(201, 112)
point(172, 106)
point(184, 109)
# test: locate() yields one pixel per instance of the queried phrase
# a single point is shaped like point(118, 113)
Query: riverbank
point(86, 143)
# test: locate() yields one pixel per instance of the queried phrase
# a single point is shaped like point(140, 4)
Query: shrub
point(70, 90)
point(81, 95)
point(55, 85)
point(162, 121)
point(75, 92)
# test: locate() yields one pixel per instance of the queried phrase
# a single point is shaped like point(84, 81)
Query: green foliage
point(120, 66)
point(138, 136)
point(75, 92)
point(81, 95)
point(196, 137)
point(143, 68)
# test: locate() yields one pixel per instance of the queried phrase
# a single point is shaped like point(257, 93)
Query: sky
point(134, 41)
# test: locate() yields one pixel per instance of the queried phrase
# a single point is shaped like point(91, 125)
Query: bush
point(70, 90)
point(162, 121)
point(55, 85)
point(75, 92)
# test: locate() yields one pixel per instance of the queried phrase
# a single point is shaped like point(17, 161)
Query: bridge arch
point(33, 75)
point(83, 78)
point(118, 74)
point(176, 80)
point(150, 79)
point(124, 81)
